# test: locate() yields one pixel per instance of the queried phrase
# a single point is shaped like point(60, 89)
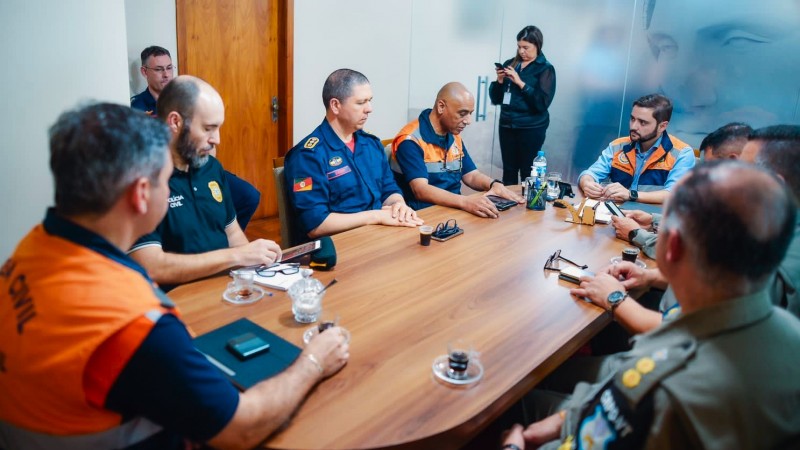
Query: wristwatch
point(614, 300)
point(493, 182)
point(632, 234)
point(634, 195)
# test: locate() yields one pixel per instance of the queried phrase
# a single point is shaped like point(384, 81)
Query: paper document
point(280, 281)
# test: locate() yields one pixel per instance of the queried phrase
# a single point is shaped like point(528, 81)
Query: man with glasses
point(429, 158)
point(199, 235)
point(158, 70)
point(339, 176)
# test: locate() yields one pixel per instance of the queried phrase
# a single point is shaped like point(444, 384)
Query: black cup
point(630, 254)
point(458, 363)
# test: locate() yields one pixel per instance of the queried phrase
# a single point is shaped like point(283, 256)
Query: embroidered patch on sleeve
point(302, 184)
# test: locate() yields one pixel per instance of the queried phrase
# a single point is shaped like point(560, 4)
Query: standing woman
point(524, 88)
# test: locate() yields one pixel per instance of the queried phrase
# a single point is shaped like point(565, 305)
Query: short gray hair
point(340, 84)
point(97, 151)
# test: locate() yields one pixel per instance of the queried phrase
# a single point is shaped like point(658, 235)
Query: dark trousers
point(519, 146)
point(245, 198)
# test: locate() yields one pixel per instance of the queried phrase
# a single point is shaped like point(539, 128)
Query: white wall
point(372, 37)
point(149, 22)
point(57, 54)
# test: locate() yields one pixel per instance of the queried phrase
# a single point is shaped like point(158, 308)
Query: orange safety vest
point(59, 301)
point(657, 167)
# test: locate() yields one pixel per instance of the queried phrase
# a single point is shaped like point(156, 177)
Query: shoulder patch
point(311, 142)
point(638, 376)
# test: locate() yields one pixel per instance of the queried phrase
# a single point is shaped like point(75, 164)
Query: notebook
point(245, 374)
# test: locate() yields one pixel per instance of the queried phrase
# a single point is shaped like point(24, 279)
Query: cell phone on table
point(614, 209)
point(573, 274)
point(246, 346)
point(501, 203)
point(300, 250)
point(499, 66)
point(448, 237)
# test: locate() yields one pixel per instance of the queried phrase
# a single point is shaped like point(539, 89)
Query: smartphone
point(300, 250)
point(501, 203)
point(614, 209)
point(573, 274)
point(246, 346)
point(447, 238)
point(499, 66)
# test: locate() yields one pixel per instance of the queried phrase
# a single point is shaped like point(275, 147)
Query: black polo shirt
point(200, 208)
point(144, 101)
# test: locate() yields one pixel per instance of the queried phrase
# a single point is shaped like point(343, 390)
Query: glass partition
point(719, 61)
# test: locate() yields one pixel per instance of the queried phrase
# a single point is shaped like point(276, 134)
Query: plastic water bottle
point(540, 166)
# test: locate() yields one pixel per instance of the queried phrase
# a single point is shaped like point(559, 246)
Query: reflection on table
point(403, 302)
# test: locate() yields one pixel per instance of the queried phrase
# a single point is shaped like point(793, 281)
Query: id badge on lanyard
point(507, 93)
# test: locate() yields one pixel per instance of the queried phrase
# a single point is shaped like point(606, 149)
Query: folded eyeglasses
point(274, 269)
point(446, 229)
point(552, 262)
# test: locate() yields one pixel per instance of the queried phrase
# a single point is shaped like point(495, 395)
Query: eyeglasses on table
point(273, 269)
point(552, 262)
point(446, 229)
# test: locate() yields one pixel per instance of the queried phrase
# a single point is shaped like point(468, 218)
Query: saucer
point(313, 331)
point(474, 371)
point(232, 296)
point(639, 262)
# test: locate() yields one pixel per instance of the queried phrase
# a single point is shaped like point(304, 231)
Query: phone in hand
point(614, 209)
point(574, 274)
point(300, 250)
point(498, 66)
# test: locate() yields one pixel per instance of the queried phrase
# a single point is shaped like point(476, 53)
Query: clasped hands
point(399, 214)
point(613, 191)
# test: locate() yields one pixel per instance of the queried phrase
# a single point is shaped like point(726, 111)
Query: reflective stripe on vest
point(433, 154)
point(81, 298)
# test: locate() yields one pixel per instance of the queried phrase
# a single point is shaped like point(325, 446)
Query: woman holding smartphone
point(524, 88)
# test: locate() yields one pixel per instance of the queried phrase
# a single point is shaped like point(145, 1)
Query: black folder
point(245, 374)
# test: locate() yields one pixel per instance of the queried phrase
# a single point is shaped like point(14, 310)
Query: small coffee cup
point(425, 233)
point(630, 254)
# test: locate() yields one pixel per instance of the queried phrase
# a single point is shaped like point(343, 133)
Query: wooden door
point(242, 48)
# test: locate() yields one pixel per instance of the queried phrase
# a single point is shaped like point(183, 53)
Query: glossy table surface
point(403, 302)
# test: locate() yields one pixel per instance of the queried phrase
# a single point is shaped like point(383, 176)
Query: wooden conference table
point(403, 302)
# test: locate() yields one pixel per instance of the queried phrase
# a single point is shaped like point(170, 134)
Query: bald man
point(199, 236)
point(429, 159)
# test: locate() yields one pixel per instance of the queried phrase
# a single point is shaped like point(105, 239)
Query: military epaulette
point(637, 377)
point(310, 143)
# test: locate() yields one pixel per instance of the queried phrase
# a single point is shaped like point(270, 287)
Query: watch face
point(634, 195)
point(615, 297)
